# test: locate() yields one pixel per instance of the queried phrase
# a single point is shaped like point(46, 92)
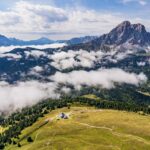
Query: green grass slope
point(88, 128)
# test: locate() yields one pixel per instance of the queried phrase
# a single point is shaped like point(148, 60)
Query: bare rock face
point(128, 33)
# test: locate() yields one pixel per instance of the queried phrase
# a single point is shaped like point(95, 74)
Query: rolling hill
point(87, 127)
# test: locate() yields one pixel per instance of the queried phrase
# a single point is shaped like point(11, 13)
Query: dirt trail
point(133, 137)
point(91, 126)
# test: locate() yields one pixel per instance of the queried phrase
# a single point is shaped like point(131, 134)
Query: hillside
point(87, 127)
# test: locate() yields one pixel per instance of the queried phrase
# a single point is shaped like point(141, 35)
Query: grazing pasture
point(87, 128)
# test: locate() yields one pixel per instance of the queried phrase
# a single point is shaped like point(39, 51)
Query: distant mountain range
point(80, 40)
point(4, 41)
point(125, 34)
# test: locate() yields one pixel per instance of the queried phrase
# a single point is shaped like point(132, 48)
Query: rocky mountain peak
point(127, 25)
point(124, 34)
point(124, 25)
point(139, 27)
point(127, 33)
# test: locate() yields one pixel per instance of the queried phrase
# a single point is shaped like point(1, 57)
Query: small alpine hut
point(63, 116)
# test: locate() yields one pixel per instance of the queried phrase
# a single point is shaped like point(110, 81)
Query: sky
point(64, 19)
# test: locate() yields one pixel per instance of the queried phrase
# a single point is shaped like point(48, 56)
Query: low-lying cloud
point(36, 71)
point(4, 49)
point(70, 59)
point(104, 78)
point(10, 55)
point(24, 94)
point(27, 93)
point(82, 58)
point(35, 53)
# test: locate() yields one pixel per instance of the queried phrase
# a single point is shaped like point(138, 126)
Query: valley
point(83, 93)
point(74, 75)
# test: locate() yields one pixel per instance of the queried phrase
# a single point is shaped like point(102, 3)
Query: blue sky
point(63, 19)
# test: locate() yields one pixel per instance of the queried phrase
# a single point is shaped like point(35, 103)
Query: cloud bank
point(27, 93)
point(24, 94)
point(70, 59)
point(104, 78)
point(82, 58)
point(4, 49)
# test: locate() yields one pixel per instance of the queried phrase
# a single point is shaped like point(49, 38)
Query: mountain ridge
point(5, 41)
point(123, 34)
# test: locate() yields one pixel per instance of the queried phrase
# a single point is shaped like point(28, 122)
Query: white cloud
point(122, 55)
point(104, 78)
point(70, 59)
point(35, 53)
point(54, 45)
point(28, 19)
point(141, 63)
point(65, 90)
point(9, 55)
point(82, 58)
point(37, 69)
point(25, 16)
point(25, 94)
point(141, 2)
point(46, 13)
point(4, 49)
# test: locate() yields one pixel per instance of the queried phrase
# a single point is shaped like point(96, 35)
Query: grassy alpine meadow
point(87, 128)
point(91, 96)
